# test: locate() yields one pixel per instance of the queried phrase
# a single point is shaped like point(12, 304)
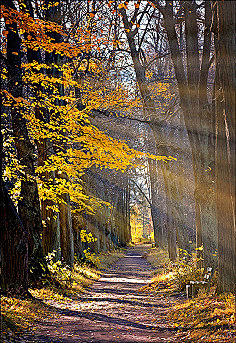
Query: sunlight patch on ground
point(131, 256)
point(124, 280)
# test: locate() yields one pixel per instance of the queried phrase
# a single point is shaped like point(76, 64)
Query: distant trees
point(154, 117)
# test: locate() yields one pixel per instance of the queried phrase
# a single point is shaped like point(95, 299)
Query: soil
point(113, 309)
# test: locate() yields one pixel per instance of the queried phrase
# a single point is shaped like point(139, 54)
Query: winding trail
point(113, 309)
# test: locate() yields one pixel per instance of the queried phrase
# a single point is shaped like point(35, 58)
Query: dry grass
point(161, 282)
point(158, 258)
point(111, 257)
point(206, 318)
point(19, 315)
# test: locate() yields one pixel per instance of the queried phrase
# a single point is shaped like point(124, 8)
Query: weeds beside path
point(112, 310)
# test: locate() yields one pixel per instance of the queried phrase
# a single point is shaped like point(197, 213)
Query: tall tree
point(50, 218)
point(28, 206)
point(198, 115)
point(224, 31)
point(14, 239)
point(54, 14)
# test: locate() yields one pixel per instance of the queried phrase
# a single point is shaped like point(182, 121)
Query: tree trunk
point(128, 237)
point(198, 120)
point(14, 240)
point(53, 14)
point(155, 213)
point(66, 233)
point(171, 231)
point(29, 206)
point(13, 248)
point(51, 230)
point(50, 218)
point(225, 143)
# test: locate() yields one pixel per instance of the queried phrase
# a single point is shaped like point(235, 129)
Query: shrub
point(186, 269)
point(60, 273)
point(91, 258)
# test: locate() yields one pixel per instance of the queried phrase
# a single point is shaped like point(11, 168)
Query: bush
point(186, 269)
point(60, 273)
point(91, 258)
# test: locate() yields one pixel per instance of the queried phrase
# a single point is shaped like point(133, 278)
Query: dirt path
point(113, 310)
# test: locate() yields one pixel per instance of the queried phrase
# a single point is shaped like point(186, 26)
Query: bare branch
point(136, 11)
point(140, 189)
point(158, 6)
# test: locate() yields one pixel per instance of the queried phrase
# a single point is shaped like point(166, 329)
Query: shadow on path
point(112, 310)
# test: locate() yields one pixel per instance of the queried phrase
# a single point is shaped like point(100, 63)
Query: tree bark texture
point(50, 217)
point(59, 227)
point(66, 232)
point(225, 143)
point(14, 239)
point(29, 206)
point(13, 248)
point(155, 212)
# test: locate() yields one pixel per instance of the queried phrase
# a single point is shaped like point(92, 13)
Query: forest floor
point(123, 305)
point(113, 309)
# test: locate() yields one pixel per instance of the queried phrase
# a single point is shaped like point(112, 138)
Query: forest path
point(113, 309)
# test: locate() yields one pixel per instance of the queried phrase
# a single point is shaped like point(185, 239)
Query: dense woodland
point(116, 115)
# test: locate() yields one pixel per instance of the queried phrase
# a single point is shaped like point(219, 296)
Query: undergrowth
point(63, 277)
point(20, 315)
point(174, 276)
point(206, 318)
